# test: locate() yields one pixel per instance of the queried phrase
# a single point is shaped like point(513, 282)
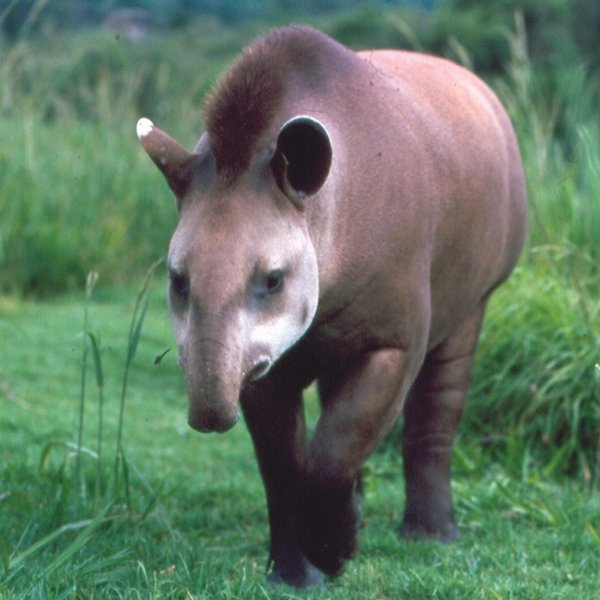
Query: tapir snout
point(204, 414)
point(216, 372)
point(212, 390)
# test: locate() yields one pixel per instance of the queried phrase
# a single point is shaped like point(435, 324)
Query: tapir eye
point(267, 284)
point(274, 282)
point(179, 285)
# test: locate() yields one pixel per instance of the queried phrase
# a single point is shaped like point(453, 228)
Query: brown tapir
point(344, 218)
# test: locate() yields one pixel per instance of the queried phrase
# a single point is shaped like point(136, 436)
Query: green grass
point(536, 376)
point(184, 516)
point(196, 522)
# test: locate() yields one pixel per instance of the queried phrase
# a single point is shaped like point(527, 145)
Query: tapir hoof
point(331, 556)
point(328, 524)
point(305, 576)
point(415, 531)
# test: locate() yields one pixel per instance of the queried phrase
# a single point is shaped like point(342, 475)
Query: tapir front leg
point(431, 416)
point(358, 410)
point(275, 418)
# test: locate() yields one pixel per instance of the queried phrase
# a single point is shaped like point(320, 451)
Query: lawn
point(104, 490)
point(190, 519)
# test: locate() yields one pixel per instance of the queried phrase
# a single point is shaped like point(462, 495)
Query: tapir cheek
point(180, 341)
point(280, 333)
point(307, 314)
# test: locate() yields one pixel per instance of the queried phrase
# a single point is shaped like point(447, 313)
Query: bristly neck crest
point(248, 96)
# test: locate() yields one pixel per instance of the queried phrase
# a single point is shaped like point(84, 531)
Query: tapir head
point(244, 283)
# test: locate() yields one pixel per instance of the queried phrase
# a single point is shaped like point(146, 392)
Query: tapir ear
point(170, 157)
point(302, 158)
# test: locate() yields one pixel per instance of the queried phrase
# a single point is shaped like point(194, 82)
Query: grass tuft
point(68, 484)
point(534, 379)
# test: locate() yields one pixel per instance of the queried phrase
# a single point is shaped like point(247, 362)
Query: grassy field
point(190, 520)
point(96, 504)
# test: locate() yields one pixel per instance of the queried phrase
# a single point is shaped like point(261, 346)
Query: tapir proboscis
point(344, 219)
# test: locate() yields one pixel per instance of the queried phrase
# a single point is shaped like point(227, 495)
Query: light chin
point(279, 336)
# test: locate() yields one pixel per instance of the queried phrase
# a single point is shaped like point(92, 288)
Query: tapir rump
point(344, 219)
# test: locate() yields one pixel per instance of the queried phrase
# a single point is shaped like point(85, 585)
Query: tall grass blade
point(100, 433)
point(90, 284)
point(126, 481)
point(135, 331)
point(82, 384)
point(97, 360)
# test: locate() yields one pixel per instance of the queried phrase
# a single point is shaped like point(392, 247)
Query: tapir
point(344, 218)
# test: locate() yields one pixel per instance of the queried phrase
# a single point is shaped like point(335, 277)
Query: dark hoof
point(331, 556)
point(328, 524)
point(416, 531)
point(306, 576)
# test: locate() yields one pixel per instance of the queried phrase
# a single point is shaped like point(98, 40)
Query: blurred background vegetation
point(77, 74)
point(78, 194)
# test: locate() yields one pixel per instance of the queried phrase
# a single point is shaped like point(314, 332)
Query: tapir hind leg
point(276, 422)
point(432, 412)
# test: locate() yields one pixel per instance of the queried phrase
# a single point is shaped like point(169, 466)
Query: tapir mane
point(250, 93)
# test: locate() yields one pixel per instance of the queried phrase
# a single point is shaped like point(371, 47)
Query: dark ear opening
point(302, 157)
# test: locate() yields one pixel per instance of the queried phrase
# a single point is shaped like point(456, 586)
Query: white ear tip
point(144, 127)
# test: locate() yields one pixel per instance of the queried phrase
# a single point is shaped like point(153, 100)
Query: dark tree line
point(17, 14)
point(560, 32)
